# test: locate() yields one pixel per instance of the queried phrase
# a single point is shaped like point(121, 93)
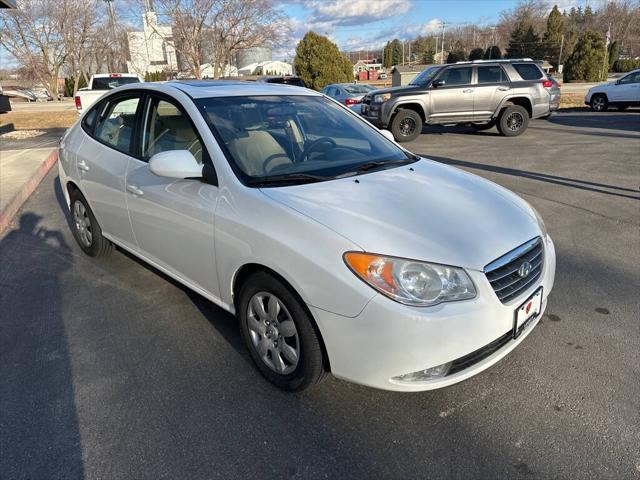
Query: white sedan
point(623, 93)
point(337, 250)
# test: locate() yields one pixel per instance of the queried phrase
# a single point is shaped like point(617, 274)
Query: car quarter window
point(166, 128)
point(456, 76)
point(491, 74)
point(116, 122)
point(528, 71)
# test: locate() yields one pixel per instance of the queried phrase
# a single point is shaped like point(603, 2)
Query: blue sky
point(366, 24)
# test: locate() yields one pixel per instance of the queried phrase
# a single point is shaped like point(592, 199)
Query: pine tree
point(456, 56)
point(553, 36)
point(515, 49)
point(614, 54)
point(319, 62)
point(476, 54)
point(588, 62)
point(493, 53)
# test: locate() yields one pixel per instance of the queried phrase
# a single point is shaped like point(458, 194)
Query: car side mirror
point(175, 164)
point(438, 83)
point(388, 135)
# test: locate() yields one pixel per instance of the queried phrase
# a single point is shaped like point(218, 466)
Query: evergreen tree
point(456, 56)
point(588, 62)
point(515, 49)
point(553, 36)
point(319, 62)
point(493, 53)
point(476, 54)
point(393, 53)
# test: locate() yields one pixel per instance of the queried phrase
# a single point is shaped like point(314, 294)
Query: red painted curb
point(16, 202)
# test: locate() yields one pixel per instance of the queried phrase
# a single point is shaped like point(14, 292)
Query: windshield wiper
point(286, 178)
point(368, 166)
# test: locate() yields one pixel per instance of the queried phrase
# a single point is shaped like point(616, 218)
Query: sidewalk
point(23, 164)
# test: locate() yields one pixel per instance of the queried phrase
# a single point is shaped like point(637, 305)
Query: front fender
point(392, 106)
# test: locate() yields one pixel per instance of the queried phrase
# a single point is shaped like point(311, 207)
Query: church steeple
point(148, 6)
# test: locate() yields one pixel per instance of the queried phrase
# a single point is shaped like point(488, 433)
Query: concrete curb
point(10, 210)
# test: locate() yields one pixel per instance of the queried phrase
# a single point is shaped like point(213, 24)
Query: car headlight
point(541, 224)
point(381, 98)
point(411, 282)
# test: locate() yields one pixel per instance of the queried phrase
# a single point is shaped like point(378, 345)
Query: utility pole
point(409, 52)
point(560, 54)
point(402, 52)
point(442, 56)
point(436, 47)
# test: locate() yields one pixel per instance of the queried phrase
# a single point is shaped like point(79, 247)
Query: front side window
point(425, 76)
point(528, 71)
point(631, 78)
point(295, 139)
point(167, 128)
point(116, 123)
point(456, 76)
point(493, 74)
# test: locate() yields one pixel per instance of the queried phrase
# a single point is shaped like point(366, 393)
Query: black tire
point(513, 121)
point(599, 103)
point(98, 246)
point(406, 125)
point(309, 369)
point(484, 126)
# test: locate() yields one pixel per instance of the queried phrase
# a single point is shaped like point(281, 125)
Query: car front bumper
point(388, 339)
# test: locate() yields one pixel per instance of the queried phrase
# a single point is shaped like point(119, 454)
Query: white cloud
point(355, 12)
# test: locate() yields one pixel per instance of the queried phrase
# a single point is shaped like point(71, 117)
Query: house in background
point(403, 74)
point(268, 67)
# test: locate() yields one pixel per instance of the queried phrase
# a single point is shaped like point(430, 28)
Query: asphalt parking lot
point(108, 369)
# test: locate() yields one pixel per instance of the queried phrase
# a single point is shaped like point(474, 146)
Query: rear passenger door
point(102, 161)
point(453, 101)
point(627, 89)
point(172, 219)
point(492, 85)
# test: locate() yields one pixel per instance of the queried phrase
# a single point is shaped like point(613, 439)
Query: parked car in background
point(5, 105)
point(42, 94)
point(349, 94)
point(20, 93)
point(483, 93)
point(283, 80)
point(337, 250)
point(622, 94)
point(99, 84)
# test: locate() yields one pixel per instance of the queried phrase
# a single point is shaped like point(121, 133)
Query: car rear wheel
point(279, 333)
point(85, 227)
point(513, 121)
point(599, 103)
point(406, 125)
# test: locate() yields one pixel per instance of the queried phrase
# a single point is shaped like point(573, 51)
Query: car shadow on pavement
point(625, 121)
point(38, 416)
point(543, 177)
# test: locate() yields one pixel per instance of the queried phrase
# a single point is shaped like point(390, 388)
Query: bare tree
point(35, 35)
point(80, 35)
point(190, 22)
point(238, 25)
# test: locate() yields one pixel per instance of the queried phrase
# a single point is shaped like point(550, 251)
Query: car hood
point(425, 211)
point(398, 90)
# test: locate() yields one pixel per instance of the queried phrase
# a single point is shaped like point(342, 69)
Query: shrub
point(625, 65)
point(588, 62)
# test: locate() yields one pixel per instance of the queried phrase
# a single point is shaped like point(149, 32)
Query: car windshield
point(424, 76)
point(358, 89)
point(109, 83)
point(291, 139)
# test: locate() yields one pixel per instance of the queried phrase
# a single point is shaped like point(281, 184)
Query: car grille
point(507, 274)
point(479, 355)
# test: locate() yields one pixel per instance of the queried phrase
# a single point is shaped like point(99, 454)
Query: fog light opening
point(425, 375)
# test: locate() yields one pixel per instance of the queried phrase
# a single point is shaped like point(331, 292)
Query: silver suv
point(504, 93)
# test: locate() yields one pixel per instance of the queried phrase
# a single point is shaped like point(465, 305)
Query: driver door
point(453, 101)
point(172, 219)
point(627, 89)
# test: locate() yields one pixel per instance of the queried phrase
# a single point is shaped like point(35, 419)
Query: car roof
point(222, 88)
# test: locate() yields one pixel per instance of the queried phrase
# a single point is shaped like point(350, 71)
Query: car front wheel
point(279, 333)
point(406, 125)
point(513, 121)
point(599, 103)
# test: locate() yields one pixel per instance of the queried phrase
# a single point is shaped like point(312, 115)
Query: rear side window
point(116, 123)
point(493, 74)
point(109, 83)
point(167, 128)
point(528, 71)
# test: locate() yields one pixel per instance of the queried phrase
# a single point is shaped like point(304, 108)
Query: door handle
point(135, 190)
point(82, 165)
point(504, 89)
point(468, 90)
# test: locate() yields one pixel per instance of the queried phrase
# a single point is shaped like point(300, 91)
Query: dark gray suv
point(504, 93)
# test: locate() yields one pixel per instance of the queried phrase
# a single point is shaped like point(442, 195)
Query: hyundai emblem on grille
point(524, 270)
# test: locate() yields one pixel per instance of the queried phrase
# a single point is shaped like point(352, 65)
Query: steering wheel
point(314, 145)
point(273, 157)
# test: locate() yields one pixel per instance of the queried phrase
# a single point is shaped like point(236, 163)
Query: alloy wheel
point(598, 104)
point(515, 121)
point(273, 333)
point(83, 223)
point(407, 126)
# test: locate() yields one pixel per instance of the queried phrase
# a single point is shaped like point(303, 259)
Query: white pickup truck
point(99, 84)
